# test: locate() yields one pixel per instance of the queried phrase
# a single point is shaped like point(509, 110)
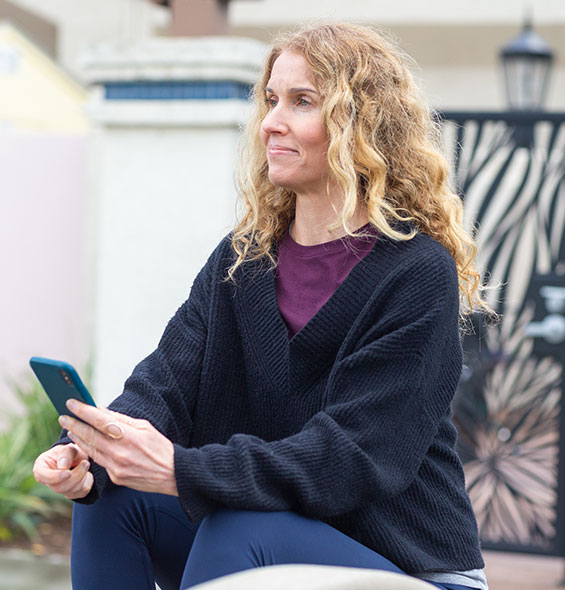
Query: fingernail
point(71, 436)
point(72, 405)
point(64, 421)
point(65, 475)
point(85, 465)
point(63, 463)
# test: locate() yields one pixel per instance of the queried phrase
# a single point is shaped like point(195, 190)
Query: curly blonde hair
point(383, 151)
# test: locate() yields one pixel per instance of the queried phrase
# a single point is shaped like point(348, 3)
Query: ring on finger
point(114, 430)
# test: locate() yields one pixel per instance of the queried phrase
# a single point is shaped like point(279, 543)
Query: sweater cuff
point(188, 472)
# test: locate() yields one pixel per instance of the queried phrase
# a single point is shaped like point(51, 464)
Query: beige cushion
point(314, 577)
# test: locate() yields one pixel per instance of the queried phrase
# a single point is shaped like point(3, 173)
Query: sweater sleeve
point(163, 387)
point(385, 400)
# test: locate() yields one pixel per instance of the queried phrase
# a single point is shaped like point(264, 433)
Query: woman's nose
point(274, 122)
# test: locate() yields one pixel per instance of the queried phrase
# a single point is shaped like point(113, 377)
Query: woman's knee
point(262, 535)
point(229, 541)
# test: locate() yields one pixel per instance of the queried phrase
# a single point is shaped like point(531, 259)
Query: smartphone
point(61, 382)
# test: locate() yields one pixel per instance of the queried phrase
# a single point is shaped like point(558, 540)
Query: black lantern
point(527, 61)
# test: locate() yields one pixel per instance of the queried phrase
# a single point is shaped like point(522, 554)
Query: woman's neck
point(314, 216)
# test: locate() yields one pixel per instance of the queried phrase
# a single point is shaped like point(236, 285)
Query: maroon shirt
point(307, 276)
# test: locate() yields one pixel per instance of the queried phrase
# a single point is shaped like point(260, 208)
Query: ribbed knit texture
point(349, 422)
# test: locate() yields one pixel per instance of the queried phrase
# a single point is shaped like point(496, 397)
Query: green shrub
point(24, 503)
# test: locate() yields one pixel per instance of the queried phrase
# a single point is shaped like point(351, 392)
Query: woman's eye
point(271, 102)
point(303, 102)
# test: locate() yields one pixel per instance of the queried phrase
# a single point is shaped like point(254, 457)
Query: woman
point(297, 408)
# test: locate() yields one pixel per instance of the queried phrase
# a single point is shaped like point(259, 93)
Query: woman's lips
point(279, 150)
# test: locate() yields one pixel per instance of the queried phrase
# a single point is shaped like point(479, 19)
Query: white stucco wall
point(166, 198)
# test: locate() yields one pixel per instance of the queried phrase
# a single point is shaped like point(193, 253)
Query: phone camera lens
point(66, 377)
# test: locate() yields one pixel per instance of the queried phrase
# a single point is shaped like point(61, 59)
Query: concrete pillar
point(167, 114)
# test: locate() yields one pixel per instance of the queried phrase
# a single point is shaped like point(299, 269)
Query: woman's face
point(293, 131)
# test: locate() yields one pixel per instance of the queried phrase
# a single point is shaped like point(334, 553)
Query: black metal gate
point(510, 170)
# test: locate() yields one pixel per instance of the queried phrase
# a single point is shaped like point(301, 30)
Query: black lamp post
point(527, 62)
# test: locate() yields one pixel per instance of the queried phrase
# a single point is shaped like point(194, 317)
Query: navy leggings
point(128, 540)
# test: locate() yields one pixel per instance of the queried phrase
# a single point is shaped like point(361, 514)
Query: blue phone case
point(61, 382)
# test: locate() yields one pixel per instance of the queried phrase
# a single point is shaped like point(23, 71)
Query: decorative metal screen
point(510, 170)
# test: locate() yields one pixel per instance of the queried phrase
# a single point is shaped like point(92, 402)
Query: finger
point(63, 481)
point(73, 486)
point(75, 478)
point(46, 476)
point(89, 414)
point(47, 459)
point(67, 456)
point(93, 436)
point(51, 477)
point(98, 418)
point(94, 444)
point(123, 418)
point(45, 466)
point(82, 488)
point(76, 426)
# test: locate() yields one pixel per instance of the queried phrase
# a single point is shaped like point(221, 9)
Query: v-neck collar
point(312, 351)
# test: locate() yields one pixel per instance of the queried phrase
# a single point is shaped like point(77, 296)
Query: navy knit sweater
point(348, 422)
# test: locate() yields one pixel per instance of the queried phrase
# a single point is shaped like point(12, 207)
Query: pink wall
point(43, 188)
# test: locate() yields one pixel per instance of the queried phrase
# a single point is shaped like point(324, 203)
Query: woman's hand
point(65, 470)
point(133, 452)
